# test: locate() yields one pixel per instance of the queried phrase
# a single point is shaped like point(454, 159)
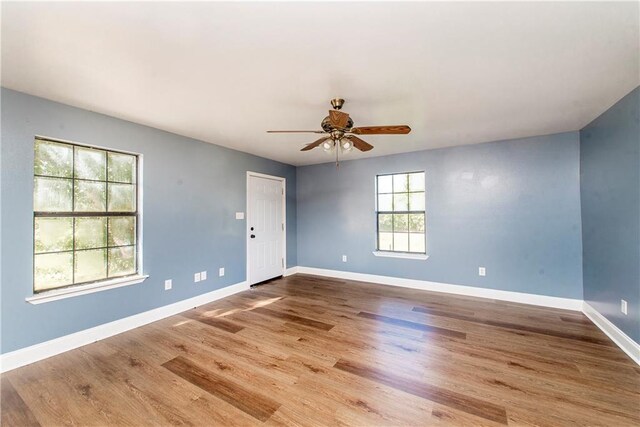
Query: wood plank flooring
point(312, 351)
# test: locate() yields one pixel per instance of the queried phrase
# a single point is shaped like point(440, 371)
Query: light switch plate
point(344, 258)
point(168, 284)
point(482, 271)
point(239, 215)
point(203, 275)
point(221, 272)
point(623, 306)
point(196, 277)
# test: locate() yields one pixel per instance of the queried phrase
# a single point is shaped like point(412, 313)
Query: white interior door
point(265, 224)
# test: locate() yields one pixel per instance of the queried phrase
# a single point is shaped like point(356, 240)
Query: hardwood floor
point(306, 350)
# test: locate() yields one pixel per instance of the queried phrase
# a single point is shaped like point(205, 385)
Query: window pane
point(122, 261)
point(400, 222)
point(70, 178)
point(402, 232)
point(90, 164)
point(122, 168)
point(401, 242)
point(416, 201)
point(90, 196)
point(416, 181)
point(122, 198)
point(416, 222)
point(385, 202)
point(385, 222)
point(52, 271)
point(385, 183)
point(122, 231)
point(400, 202)
point(416, 242)
point(400, 183)
point(53, 159)
point(53, 234)
point(91, 265)
point(52, 195)
point(385, 241)
point(91, 232)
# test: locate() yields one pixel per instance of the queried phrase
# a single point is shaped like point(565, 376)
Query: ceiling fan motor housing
point(326, 124)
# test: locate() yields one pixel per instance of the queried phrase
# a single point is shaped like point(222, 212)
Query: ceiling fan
point(339, 132)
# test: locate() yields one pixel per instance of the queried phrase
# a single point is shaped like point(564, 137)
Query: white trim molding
point(403, 255)
point(621, 339)
point(75, 291)
point(34, 353)
point(519, 297)
point(290, 271)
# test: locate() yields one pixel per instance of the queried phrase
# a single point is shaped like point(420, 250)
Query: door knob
point(253, 236)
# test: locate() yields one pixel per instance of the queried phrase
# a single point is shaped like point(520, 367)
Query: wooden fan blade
point(381, 130)
point(315, 144)
point(338, 119)
point(296, 131)
point(360, 144)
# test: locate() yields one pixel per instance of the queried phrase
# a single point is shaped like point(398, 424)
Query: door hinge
point(283, 226)
point(282, 262)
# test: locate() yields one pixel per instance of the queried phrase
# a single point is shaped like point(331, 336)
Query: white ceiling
point(457, 73)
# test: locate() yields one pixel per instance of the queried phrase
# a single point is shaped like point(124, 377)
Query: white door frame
point(284, 221)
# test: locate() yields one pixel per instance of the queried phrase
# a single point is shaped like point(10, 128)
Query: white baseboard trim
point(27, 355)
point(290, 271)
point(34, 353)
point(533, 299)
point(621, 339)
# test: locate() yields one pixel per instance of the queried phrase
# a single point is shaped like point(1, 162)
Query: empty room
point(320, 213)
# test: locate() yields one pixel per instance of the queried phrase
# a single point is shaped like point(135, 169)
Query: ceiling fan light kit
point(344, 144)
point(340, 133)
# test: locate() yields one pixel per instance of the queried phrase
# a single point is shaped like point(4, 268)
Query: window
point(401, 212)
point(85, 219)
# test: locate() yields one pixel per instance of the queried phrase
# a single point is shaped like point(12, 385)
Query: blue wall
point(191, 193)
point(610, 193)
point(518, 215)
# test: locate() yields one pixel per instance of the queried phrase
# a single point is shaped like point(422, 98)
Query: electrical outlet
point(344, 258)
point(203, 275)
point(239, 215)
point(168, 284)
point(196, 277)
point(623, 306)
point(482, 271)
point(221, 272)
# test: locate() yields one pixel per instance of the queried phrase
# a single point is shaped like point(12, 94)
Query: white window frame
point(399, 254)
point(83, 289)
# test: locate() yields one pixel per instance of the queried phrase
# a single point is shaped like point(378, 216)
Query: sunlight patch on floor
point(265, 302)
point(182, 322)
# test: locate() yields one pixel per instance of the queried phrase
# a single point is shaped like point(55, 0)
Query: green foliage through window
point(85, 214)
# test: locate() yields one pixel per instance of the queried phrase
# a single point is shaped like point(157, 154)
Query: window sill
point(402, 255)
point(58, 294)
